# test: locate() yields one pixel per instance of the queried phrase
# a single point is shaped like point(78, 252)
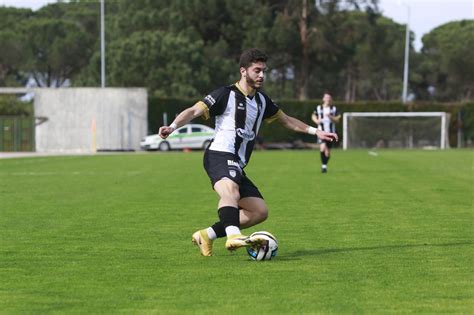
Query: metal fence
point(17, 134)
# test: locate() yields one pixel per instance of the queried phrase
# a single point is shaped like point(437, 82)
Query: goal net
point(395, 130)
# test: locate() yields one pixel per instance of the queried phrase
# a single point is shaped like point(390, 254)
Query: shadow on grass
point(325, 251)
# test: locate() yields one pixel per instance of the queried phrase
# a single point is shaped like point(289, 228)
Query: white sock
point(324, 166)
point(232, 230)
point(211, 233)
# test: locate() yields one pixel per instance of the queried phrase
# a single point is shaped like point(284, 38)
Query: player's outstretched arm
point(182, 119)
point(299, 126)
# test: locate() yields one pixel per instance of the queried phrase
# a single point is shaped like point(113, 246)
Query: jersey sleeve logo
point(210, 100)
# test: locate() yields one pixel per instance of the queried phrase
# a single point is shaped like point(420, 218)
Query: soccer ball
point(266, 251)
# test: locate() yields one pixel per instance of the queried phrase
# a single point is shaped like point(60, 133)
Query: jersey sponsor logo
point(210, 99)
point(247, 135)
point(241, 106)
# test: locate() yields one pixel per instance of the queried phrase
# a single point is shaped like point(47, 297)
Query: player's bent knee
point(263, 215)
point(260, 215)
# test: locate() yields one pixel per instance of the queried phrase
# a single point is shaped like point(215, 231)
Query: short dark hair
point(252, 55)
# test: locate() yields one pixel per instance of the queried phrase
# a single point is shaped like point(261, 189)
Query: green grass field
point(382, 234)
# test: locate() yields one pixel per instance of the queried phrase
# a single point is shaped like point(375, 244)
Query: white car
point(191, 136)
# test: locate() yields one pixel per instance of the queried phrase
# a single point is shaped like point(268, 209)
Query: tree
point(374, 50)
point(56, 51)
point(446, 64)
point(11, 39)
point(11, 57)
point(306, 40)
point(168, 64)
point(189, 47)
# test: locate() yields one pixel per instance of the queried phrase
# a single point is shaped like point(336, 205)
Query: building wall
point(82, 120)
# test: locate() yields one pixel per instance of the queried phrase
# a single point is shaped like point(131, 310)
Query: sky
point(425, 15)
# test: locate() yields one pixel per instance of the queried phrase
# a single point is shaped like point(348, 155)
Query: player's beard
point(253, 83)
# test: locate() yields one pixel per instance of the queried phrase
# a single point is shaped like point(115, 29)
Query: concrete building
point(85, 120)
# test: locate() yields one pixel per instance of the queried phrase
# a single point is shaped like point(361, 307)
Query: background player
point(326, 117)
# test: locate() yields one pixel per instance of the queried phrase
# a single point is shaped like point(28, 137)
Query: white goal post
point(395, 130)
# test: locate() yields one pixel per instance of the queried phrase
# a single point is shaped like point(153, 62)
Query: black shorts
point(328, 143)
point(220, 165)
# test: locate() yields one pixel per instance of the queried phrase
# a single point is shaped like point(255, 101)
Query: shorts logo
point(247, 135)
point(232, 173)
point(232, 163)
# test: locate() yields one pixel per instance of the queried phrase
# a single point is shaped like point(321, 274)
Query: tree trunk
point(303, 73)
point(3, 74)
point(48, 79)
point(354, 88)
point(37, 80)
point(347, 94)
point(351, 83)
point(377, 95)
point(467, 95)
point(380, 92)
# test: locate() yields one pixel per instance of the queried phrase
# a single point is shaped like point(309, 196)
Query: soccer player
point(239, 110)
point(326, 117)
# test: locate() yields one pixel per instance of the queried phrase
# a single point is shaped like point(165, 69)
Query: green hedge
point(467, 113)
point(11, 106)
point(303, 109)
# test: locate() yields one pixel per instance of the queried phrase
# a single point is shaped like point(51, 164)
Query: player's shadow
point(327, 251)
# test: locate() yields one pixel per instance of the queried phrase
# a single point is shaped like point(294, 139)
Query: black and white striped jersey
point(238, 119)
point(322, 113)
